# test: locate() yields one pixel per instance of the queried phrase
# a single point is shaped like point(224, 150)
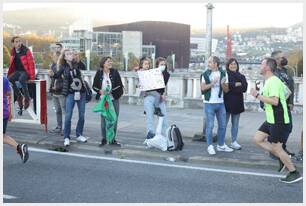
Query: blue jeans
point(235, 124)
point(212, 109)
point(149, 109)
point(69, 111)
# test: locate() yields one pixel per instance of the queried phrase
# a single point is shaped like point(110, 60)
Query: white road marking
point(156, 163)
point(9, 197)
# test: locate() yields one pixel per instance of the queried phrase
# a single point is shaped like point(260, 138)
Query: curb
point(134, 151)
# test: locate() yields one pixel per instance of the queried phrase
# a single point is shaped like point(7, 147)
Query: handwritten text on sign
point(151, 79)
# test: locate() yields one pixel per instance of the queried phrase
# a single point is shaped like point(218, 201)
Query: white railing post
point(189, 88)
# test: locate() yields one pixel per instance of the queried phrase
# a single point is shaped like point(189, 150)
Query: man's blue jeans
point(212, 109)
point(149, 109)
point(69, 111)
point(235, 124)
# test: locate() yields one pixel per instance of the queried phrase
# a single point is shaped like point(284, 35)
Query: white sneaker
point(235, 145)
point(211, 150)
point(224, 148)
point(66, 142)
point(81, 139)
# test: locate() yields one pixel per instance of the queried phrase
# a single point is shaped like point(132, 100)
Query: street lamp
point(126, 58)
point(173, 61)
point(153, 59)
point(209, 7)
point(87, 55)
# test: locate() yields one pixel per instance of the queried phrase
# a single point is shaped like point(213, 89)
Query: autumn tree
point(94, 61)
point(295, 61)
point(46, 60)
point(118, 62)
point(6, 57)
point(300, 68)
point(133, 61)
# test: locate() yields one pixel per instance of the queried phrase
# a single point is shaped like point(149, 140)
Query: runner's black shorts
point(4, 125)
point(277, 132)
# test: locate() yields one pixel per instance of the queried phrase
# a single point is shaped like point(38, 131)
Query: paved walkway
point(132, 132)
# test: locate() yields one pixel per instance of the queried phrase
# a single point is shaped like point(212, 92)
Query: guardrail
point(183, 89)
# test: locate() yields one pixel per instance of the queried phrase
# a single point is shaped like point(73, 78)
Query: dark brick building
point(169, 38)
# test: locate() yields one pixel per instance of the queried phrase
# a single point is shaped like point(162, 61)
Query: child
point(144, 65)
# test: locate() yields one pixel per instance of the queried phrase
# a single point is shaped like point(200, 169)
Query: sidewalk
point(132, 132)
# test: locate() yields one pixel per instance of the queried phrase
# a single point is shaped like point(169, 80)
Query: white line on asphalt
point(156, 163)
point(9, 197)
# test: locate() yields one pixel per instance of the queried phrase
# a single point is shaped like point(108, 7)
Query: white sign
point(151, 79)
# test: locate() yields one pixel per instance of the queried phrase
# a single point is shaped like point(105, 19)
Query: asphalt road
point(70, 177)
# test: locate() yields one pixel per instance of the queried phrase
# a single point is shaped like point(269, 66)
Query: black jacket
point(65, 71)
point(233, 100)
point(286, 77)
point(81, 65)
point(117, 86)
point(53, 79)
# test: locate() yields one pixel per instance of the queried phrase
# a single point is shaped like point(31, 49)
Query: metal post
point(173, 61)
point(87, 55)
point(209, 7)
point(126, 58)
point(153, 60)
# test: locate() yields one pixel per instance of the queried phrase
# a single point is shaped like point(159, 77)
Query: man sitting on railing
point(22, 69)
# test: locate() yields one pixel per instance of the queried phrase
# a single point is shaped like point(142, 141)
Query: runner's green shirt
point(274, 87)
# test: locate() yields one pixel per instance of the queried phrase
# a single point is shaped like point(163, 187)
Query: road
point(54, 177)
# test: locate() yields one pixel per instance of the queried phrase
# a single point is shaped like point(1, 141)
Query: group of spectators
point(222, 90)
point(223, 97)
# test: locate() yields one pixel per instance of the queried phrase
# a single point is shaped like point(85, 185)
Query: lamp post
point(126, 58)
point(153, 59)
point(209, 7)
point(87, 55)
point(173, 61)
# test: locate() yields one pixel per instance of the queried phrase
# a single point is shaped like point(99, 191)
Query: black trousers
point(21, 77)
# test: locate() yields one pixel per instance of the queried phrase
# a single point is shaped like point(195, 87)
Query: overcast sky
point(237, 15)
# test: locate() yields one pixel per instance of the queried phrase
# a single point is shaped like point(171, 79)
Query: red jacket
point(27, 61)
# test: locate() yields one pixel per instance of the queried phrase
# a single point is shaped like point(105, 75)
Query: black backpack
point(174, 138)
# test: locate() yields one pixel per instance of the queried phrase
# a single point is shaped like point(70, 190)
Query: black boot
point(103, 142)
point(158, 112)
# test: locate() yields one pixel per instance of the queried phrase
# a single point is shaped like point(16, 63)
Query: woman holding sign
point(108, 81)
point(155, 97)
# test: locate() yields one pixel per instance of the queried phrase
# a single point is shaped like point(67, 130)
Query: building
point(70, 42)
point(148, 50)
point(132, 43)
point(107, 43)
point(85, 37)
point(198, 49)
point(168, 38)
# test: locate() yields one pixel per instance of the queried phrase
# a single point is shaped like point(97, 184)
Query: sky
point(237, 15)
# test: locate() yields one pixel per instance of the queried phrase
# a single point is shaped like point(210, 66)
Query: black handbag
point(65, 89)
point(88, 91)
point(58, 85)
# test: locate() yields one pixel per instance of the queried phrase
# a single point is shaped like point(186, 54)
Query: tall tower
point(229, 52)
point(209, 7)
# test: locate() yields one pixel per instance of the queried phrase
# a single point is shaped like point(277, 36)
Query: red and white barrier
point(40, 115)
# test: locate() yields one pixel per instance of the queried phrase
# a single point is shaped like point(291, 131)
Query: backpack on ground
point(174, 137)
